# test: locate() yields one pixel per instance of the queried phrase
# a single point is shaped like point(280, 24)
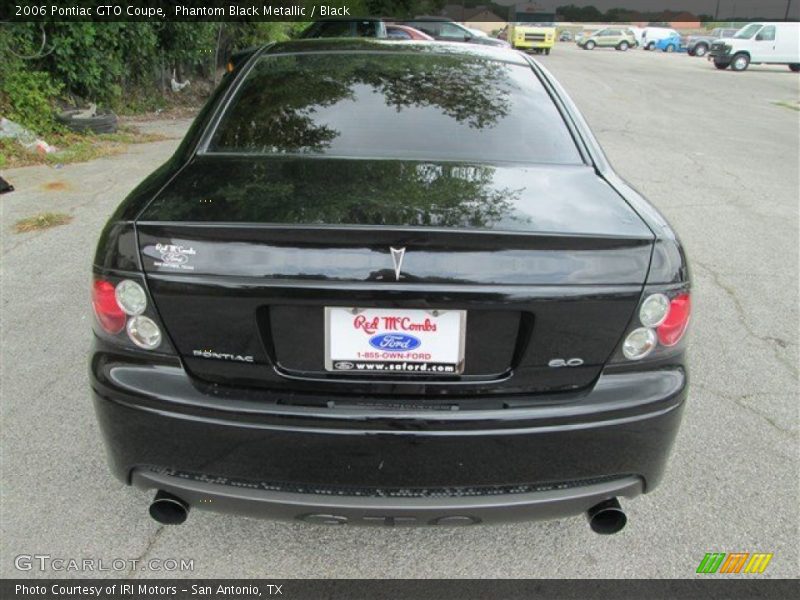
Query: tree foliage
point(25, 93)
point(112, 63)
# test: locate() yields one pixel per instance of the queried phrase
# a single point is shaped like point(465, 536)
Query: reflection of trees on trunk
point(424, 194)
point(334, 192)
point(275, 110)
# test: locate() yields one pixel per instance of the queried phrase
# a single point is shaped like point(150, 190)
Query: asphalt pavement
point(715, 151)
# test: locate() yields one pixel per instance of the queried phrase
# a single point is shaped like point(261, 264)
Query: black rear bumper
point(338, 509)
point(260, 453)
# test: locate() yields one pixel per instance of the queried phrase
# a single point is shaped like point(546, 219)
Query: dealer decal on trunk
point(174, 256)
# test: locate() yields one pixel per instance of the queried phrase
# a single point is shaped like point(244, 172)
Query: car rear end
point(381, 339)
point(629, 36)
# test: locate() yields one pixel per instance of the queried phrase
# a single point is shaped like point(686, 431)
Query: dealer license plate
point(388, 341)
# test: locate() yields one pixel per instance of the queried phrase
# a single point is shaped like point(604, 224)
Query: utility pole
point(788, 6)
point(716, 11)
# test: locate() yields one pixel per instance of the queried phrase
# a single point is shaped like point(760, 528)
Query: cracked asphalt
point(711, 149)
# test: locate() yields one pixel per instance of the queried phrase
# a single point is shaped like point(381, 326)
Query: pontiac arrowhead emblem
point(397, 258)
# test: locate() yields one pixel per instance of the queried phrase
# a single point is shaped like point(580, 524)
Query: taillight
point(654, 310)
point(109, 314)
point(144, 332)
point(674, 326)
point(639, 343)
point(661, 324)
point(120, 306)
point(131, 297)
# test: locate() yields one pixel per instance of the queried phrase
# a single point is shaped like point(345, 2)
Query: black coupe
point(389, 283)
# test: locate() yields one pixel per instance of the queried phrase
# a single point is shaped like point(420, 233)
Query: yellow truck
point(536, 37)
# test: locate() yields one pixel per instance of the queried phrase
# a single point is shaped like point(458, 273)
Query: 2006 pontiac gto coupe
point(389, 283)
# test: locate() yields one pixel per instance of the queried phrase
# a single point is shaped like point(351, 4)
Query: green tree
point(26, 94)
point(112, 63)
point(570, 12)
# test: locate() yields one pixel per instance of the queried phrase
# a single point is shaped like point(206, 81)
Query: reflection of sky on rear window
point(533, 130)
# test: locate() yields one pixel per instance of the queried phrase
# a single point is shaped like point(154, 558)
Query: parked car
point(609, 37)
point(477, 32)
point(651, 35)
point(448, 31)
point(338, 28)
point(378, 285)
point(404, 32)
point(565, 36)
point(698, 45)
point(759, 43)
point(673, 43)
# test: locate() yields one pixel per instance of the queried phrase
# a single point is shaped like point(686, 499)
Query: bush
point(124, 66)
point(27, 98)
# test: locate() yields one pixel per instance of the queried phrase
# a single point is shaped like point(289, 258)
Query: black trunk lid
point(243, 255)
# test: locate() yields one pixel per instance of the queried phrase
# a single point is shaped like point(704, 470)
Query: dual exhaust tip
point(604, 518)
point(168, 509)
point(607, 517)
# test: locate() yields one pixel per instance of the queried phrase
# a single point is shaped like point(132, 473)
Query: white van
point(637, 33)
point(756, 43)
point(650, 35)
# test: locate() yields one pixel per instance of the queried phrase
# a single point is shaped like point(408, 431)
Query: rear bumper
point(533, 45)
point(391, 511)
point(260, 453)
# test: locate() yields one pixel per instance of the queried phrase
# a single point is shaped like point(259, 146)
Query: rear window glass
point(394, 105)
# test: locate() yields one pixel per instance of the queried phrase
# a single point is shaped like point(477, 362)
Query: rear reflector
point(672, 329)
point(109, 314)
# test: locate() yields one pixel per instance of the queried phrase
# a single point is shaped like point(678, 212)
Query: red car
point(404, 32)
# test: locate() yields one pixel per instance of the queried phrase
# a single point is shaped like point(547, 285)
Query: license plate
point(387, 341)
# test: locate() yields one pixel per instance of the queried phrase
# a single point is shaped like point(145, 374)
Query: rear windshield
point(394, 105)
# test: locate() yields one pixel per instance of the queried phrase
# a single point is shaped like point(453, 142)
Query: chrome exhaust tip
point(168, 509)
point(607, 517)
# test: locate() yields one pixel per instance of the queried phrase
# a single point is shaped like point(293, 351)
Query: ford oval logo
point(396, 342)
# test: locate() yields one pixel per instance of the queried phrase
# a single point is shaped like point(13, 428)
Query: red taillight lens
point(674, 326)
point(109, 314)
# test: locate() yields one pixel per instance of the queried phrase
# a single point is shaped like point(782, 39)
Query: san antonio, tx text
point(237, 591)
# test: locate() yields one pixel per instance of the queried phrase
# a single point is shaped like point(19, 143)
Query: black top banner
point(575, 11)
